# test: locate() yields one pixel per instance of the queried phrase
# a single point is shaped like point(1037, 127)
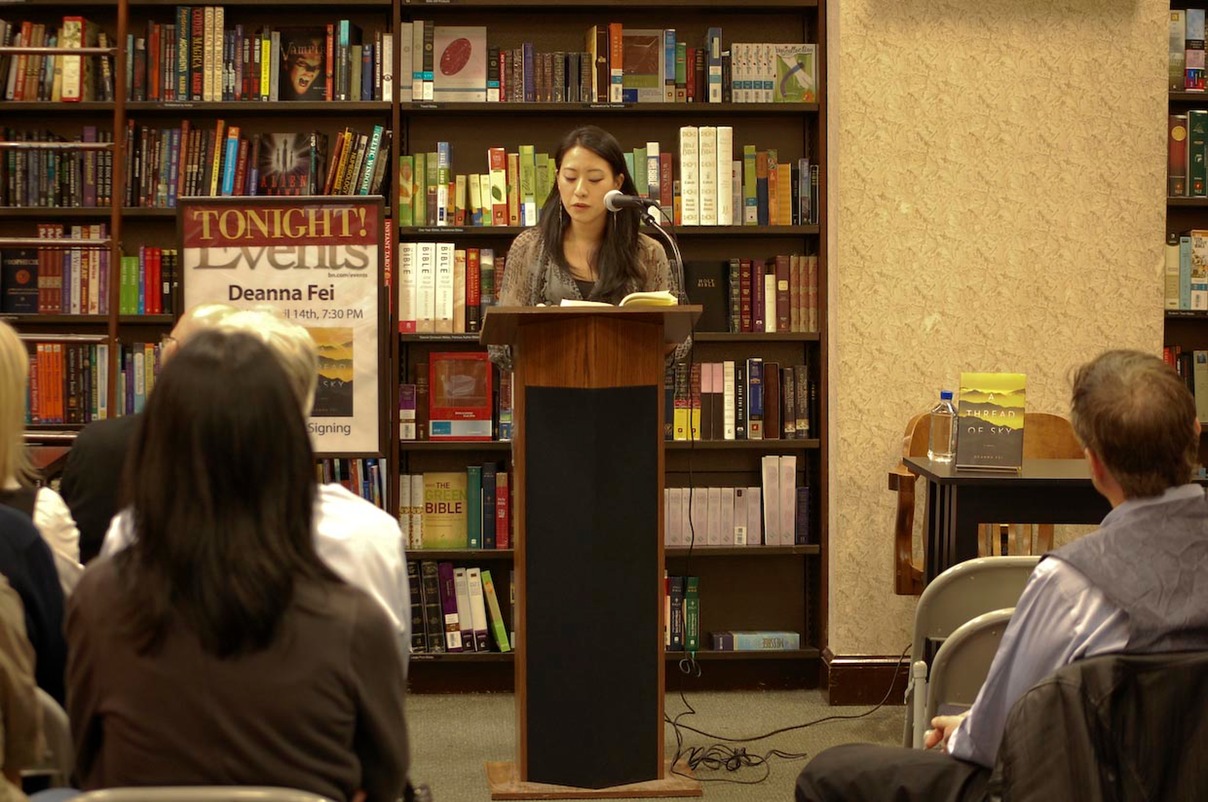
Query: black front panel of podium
point(592, 575)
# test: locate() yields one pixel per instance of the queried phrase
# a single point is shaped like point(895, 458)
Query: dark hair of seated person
point(221, 483)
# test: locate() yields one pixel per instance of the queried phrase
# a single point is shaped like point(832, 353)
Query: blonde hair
point(14, 384)
point(289, 342)
point(200, 318)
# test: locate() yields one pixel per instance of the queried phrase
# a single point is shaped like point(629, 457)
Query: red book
point(473, 290)
point(503, 512)
point(459, 396)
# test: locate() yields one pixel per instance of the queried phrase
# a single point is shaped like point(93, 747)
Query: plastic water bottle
point(941, 442)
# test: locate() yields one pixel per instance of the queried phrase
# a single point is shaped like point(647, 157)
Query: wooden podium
point(587, 452)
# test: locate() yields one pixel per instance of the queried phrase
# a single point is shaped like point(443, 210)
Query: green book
point(419, 191)
point(528, 185)
point(640, 173)
point(692, 614)
point(494, 614)
point(406, 190)
point(1197, 146)
point(474, 506)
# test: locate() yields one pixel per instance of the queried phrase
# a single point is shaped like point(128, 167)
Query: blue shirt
point(1060, 618)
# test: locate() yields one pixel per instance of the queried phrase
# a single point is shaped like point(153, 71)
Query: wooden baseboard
point(864, 679)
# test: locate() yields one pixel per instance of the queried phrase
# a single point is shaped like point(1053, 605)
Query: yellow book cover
point(990, 421)
point(444, 522)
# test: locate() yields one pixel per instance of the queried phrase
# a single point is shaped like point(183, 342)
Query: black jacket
point(1116, 728)
point(92, 477)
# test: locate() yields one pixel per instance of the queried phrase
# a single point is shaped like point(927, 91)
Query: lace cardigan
point(532, 277)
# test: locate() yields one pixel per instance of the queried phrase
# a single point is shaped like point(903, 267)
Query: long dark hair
point(617, 262)
point(222, 485)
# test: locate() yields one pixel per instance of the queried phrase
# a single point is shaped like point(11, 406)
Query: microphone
point(615, 200)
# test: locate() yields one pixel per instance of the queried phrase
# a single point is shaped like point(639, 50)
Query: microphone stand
point(650, 220)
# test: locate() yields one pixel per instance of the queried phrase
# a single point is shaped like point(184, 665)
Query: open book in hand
point(655, 298)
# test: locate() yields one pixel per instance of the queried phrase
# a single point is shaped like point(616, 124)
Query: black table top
point(1073, 472)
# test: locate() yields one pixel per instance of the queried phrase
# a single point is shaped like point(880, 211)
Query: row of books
point(509, 193)
point(455, 396)
point(710, 188)
point(1186, 274)
point(364, 476)
point(776, 294)
point(53, 77)
point(57, 280)
point(220, 159)
point(617, 65)
point(1192, 366)
point(149, 281)
point(776, 513)
point(52, 177)
point(445, 289)
point(1187, 50)
point(681, 613)
point(456, 609)
point(68, 382)
point(1187, 155)
point(197, 58)
point(741, 400)
point(468, 509)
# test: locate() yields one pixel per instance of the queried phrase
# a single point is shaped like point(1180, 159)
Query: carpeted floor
point(453, 736)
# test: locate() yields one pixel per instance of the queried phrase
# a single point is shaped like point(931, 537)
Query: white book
point(443, 292)
point(417, 511)
point(724, 176)
point(769, 306)
point(767, 70)
point(754, 517)
point(465, 621)
point(698, 518)
point(478, 610)
point(408, 258)
point(459, 291)
point(405, 63)
point(425, 288)
point(417, 60)
point(652, 170)
point(685, 535)
point(788, 498)
point(667, 516)
point(736, 201)
point(727, 516)
point(771, 499)
point(1172, 274)
point(713, 516)
point(484, 191)
point(689, 175)
point(404, 507)
point(740, 516)
point(707, 175)
point(443, 166)
point(386, 63)
point(728, 424)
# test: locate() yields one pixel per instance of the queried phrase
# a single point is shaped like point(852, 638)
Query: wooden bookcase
point(752, 588)
point(1184, 328)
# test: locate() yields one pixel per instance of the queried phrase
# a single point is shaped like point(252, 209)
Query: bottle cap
point(945, 395)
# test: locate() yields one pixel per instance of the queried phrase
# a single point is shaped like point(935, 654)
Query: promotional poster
point(318, 260)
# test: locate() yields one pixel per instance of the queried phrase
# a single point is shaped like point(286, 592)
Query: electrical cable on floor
point(721, 756)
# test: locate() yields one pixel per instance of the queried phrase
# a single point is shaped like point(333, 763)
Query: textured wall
point(998, 186)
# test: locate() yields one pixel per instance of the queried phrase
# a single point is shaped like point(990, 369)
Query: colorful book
point(990, 416)
point(444, 521)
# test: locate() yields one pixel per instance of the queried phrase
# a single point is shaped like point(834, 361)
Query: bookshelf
point(768, 587)
point(1185, 329)
point(782, 587)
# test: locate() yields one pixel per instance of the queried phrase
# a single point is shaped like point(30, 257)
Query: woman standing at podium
point(579, 250)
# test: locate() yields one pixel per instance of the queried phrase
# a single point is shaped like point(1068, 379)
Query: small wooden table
point(1046, 491)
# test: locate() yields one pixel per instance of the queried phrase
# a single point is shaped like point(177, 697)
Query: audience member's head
point(1135, 414)
point(222, 486)
point(290, 342)
point(194, 320)
point(14, 384)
